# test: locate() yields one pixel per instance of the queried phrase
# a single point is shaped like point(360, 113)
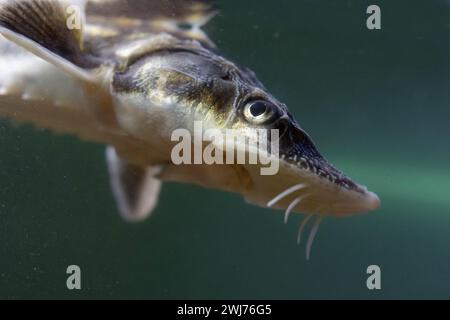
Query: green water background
point(376, 104)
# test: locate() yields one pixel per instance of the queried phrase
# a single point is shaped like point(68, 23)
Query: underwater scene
point(362, 84)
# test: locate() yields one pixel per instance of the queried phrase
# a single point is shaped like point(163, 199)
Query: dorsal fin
point(193, 12)
point(41, 27)
point(120, 18)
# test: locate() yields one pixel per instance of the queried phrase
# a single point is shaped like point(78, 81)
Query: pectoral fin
point(135, 188)
point(40, 26)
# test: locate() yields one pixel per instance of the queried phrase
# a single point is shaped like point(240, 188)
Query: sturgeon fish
point(128, 73)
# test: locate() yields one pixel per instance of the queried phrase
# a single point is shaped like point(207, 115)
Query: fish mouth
point(321, 193)
point(307, 183)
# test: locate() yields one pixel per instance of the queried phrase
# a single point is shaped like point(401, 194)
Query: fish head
point(199, 85)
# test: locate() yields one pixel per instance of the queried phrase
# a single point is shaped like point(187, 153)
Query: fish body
point(136, 71)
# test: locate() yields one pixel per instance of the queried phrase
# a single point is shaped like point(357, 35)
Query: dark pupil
point(258, 108)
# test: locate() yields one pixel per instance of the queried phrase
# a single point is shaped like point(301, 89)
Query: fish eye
point(259, 112)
